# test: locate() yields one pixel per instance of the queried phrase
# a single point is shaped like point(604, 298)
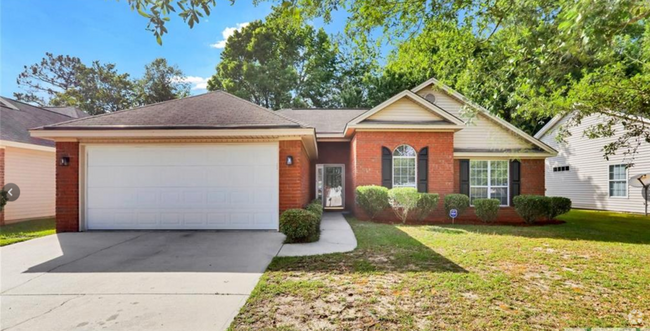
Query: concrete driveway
point(132, 280)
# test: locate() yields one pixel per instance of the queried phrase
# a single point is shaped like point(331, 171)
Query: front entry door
point(330, 185)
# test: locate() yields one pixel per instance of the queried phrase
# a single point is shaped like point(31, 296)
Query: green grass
point(593, 271)
point(17, 232)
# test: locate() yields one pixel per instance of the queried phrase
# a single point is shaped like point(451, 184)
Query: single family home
point(26, 161)
point(580, 171)
point(215, 161)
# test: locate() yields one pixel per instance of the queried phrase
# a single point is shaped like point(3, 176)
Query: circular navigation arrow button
point(13, 191)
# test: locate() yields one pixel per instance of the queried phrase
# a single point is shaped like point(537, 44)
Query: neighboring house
point(580, 171)
point(215, 161)
point(27, 161)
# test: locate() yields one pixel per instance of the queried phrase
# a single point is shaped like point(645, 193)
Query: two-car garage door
point(182, 186)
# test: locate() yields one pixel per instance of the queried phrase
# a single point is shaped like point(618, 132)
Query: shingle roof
point(213, 110)
point(73, 112)
point(16, 118)
point(324, 120)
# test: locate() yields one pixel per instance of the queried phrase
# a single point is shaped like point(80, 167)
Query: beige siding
point(482, 133)
point(587, 182)
point(405, 110)
point(34, 173)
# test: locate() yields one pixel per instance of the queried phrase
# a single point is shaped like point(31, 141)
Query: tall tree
point(97, 88)
point(161, 82)
point(277, 65)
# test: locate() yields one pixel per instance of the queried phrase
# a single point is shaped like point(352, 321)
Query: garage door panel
point(227, 186)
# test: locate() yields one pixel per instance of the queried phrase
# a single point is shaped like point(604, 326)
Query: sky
point(109, 32)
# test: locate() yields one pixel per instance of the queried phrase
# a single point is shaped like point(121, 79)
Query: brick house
point(215, 161)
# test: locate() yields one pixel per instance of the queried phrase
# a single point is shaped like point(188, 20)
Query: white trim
point(548, 126)
point(489, 186)
point(404, 127)
point(465, 100)
point(7, 143)
point(415, 158)
point(627, 182)
point(415, 98)
point(518, 155)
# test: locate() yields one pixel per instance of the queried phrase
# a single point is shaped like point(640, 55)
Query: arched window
point(404, 167)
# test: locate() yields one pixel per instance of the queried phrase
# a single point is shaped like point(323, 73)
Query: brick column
point(294, 179)
point(67, 188)
point(532, 176)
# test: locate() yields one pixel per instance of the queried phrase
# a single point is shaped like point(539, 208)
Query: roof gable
point(408, 107)
point(18, 118)
point(504, 134)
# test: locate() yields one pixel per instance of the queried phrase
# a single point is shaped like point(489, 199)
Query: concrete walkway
point(336, 236)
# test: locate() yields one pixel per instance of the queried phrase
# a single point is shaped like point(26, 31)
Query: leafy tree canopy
point(277, 65)
point(97, 88)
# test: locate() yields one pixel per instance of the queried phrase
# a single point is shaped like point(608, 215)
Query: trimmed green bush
point(316, 209)
point(299, 225)
point(372, 199)
point(460, 202)
point(317, 201)
point(3, 199)
point(427, 204)
point(487, 209)
point(558, 206)
point(532, 207)
point(403, 200)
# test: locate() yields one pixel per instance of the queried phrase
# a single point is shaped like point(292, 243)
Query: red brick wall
point(334, 153)
point(67, 188)
point(294, 179)
point(2, 181)
point(366, 158)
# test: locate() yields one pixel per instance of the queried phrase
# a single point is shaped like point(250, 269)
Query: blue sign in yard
point(453, 213)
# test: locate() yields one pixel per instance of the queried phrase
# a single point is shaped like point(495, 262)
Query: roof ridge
point(265, 109)
point(134, 108)
point(39, 107)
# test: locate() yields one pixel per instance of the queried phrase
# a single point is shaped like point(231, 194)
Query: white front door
point(182, 186)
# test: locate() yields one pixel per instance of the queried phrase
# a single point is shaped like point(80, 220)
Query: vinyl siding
point(405, 110)
point(587, 181)
point(34, 173)
point(482, 133)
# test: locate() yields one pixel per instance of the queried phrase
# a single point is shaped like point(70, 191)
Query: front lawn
point(17, 232)
point(592, 271)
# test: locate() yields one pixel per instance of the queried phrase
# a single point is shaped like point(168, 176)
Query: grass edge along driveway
point(22, 231)
point(590, 272)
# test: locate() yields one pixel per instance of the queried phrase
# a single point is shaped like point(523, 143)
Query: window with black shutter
point(423, 173)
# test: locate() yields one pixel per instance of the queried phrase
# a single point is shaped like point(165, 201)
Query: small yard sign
point(453, 213)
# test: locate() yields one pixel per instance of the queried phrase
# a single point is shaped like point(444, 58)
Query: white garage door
point(184, 186)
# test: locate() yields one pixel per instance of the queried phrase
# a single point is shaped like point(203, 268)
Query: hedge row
point(407, 203)
point(302, 225)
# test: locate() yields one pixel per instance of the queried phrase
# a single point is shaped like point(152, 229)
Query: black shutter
point(423, 167)
point(386, 167)
point(464, 177)
point(515, 180)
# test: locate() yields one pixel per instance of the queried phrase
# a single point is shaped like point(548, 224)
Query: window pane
point(617, 172)
point(500, 193)
point(617, 188)
point(404, 150)
point(477, 193)
point(499, 173)
point(478, 173)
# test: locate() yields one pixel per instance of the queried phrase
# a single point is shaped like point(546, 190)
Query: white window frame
point(415, 164)
point(489, 185)
point(626, 180)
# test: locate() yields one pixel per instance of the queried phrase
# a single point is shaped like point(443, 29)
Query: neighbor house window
point(617, 180)
point(404, 167)
point(488, 180)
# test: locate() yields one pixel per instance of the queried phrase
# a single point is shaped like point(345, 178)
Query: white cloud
point(198, 83)
point(227, 32)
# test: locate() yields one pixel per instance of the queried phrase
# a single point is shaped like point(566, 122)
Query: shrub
point(315, 208)
point(403, 200)
point(317, 201)
point(487, 209)
point(532, 207)
point(372, 199)
point(299, 225)
point(558, 206)
point(427, 204)
point(3, 199)
point(460, 202)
